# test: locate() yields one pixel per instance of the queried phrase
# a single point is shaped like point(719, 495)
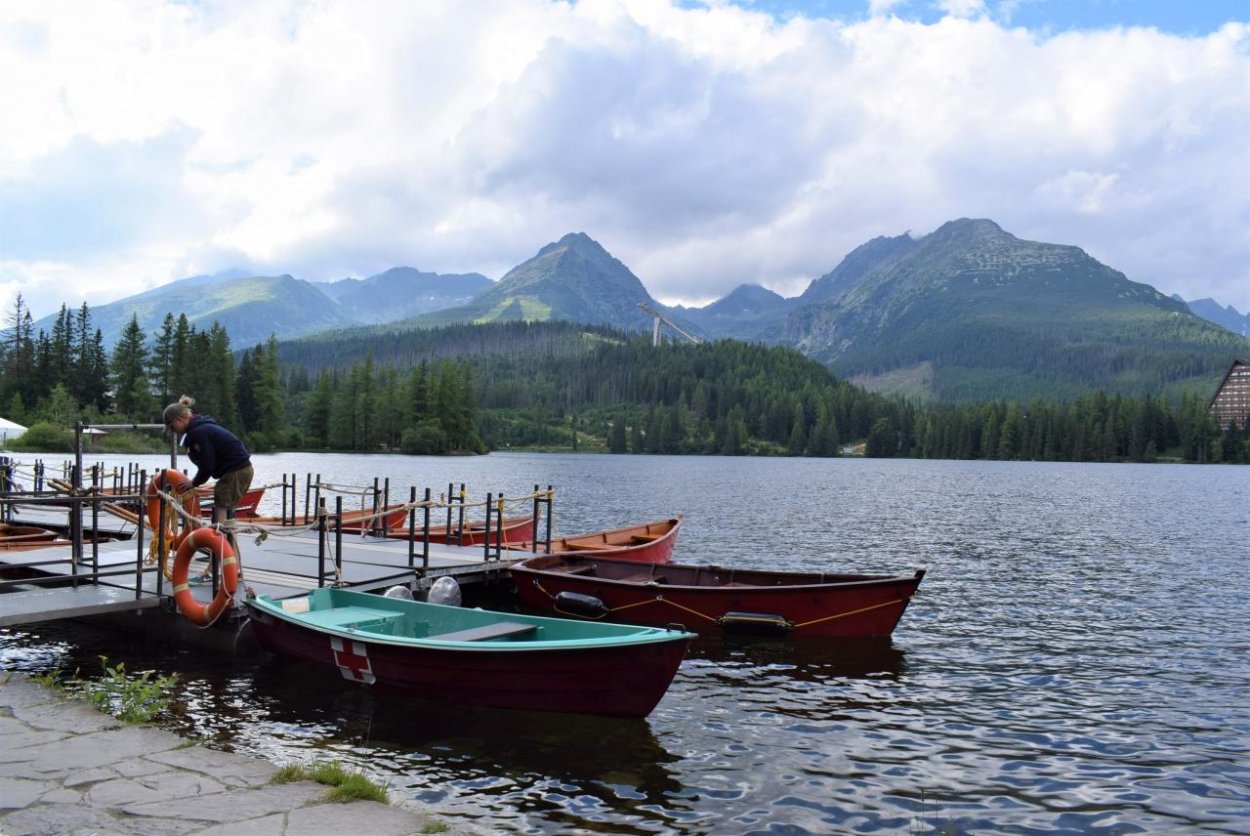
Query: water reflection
point(1064, 668)
point(806, 658)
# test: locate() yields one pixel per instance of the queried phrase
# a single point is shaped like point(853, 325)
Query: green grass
point(131, 698)
point(344, 785)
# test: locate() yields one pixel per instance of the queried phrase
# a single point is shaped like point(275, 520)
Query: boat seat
point(583, 569)
point(646, 538)
point(487, 632)
point(641, 577)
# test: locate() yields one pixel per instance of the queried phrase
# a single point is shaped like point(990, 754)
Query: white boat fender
point(445, 590)
point(399, 591)
point(755, 623)
point(584, 606)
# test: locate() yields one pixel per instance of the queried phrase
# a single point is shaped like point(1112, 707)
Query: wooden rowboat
point(246, 507)
point(715, 598)
point(392, 518)
point(473, 533)
point(651, 542)
point(472, 656)
point(20, 538)
point(23, 537)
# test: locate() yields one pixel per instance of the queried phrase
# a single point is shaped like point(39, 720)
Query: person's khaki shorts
point(231, 487)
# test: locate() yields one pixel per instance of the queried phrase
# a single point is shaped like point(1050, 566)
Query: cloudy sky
point(705, 144)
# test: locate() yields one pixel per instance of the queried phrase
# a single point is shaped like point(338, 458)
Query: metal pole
point(412, 526)
point(534, 523)
point(486, 533)
point(338, 538)
point(425, 550)
point(549, 505)
point(321, 543)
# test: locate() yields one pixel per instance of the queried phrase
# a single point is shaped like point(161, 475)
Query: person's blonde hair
point(178, 409)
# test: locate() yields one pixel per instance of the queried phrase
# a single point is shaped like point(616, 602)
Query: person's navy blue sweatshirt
point(214, 449)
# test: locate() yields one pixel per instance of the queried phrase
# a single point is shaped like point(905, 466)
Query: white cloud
point(704, 147)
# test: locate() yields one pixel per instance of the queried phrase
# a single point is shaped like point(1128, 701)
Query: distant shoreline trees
point(466, 389)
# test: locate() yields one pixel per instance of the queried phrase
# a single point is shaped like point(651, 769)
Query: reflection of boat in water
point(471, 656)
point(807, 659)
point(457, 742)
point(807, 679)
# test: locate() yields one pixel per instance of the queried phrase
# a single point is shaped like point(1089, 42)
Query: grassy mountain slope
point(999, 318)
point(403, 292)
point(742, 314)
point(249, 308)
point(1225, 316)
point(574, 279)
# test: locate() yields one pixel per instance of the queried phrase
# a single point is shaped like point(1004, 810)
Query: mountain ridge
point(968, 311)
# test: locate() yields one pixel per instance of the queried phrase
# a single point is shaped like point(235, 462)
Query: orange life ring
point(213, 541)
point(177, 482)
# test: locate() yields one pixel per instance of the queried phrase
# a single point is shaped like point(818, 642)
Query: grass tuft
point(344, 785)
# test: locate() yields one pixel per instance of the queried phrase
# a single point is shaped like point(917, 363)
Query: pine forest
point(465, 389)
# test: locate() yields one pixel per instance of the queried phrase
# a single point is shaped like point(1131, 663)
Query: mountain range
point(966, 312)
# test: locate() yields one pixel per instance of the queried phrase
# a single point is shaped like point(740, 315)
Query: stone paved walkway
point(66, 768)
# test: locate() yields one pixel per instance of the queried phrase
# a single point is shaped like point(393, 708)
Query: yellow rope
point(853, 612)
point(671, 603)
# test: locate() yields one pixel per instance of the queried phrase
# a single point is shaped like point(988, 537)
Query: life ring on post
point(174, 481)
point(213, 541)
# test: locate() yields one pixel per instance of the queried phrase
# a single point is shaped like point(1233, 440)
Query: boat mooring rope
point(661, 599)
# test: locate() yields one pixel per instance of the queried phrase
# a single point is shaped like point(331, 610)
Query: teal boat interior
point(371, 617)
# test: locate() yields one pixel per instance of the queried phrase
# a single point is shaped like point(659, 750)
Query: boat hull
point(651, 542)
point(616, 680)
point(25, 537)
point(720, 599)
point(515, 530)
point(392, 518)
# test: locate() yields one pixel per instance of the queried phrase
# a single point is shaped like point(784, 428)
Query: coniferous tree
point(317, 409)
point(161, 362)
point(88, 363)
point(132, 393)
point(617, 442)
point(18, 379)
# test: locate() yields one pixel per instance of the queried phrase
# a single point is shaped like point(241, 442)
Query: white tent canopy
point(8, 430)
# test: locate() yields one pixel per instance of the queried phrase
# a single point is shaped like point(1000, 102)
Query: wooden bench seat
point(577, 547)
point(487, 632)
point(641, 577)
point(572, 569)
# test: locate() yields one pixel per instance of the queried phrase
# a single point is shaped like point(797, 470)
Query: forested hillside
point(557, 385)
point(567, 386)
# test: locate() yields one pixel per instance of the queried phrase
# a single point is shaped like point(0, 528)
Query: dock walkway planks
point(284, 564)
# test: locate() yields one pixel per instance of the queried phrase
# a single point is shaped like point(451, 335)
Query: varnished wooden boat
point(715, 598)
point(392, 518)
point(472, 656)
point(16, 538)
point(473, 533)
point(651, 542)
point(23, 537)
point(245, 508)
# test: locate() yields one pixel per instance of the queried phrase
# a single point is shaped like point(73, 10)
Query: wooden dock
point(112, 572)
point(280, 566)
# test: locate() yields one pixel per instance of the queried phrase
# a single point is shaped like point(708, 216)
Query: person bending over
point(215, 451)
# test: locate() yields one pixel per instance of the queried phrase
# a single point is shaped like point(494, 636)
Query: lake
point(1077, 659)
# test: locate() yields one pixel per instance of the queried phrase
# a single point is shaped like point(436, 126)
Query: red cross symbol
point(353, 660)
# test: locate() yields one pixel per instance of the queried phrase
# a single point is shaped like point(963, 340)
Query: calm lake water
point(1077, 660)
